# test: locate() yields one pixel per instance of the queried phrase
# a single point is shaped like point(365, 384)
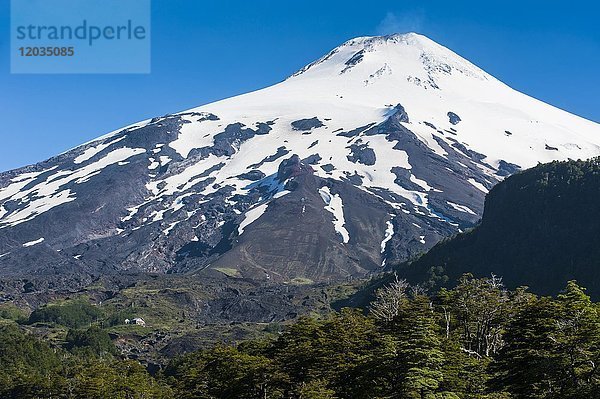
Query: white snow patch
point(195, 134)
point(132, 212)
point(184, 180)
point(333, 204)
point(157, 216)
point(420, 182)
point(389, 232)
point(36, 207)
point(34, 242)
point(281, 193)
point(90, 152)
point(478, 185)
point(48, 194)
point(164, 160)
point(18, 183)
point(461, 208)
point(251, 216)
point(170, 227)
point(153, 164)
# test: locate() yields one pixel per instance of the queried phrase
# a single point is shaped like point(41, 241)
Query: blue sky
point(205, 50)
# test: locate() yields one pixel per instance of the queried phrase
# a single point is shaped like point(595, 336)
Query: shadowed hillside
point(540, 228)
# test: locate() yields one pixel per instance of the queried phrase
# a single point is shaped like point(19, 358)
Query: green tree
point(28, 367)
point(578, 340)
point(225, 372)
point(419, 350)
point(552, 348)
point(327, 350)
point(479, 308)
point(73, 314)
point(11, 312)
point(93, 341)
point(316, 389)
point(463, 374)
point(116, 380)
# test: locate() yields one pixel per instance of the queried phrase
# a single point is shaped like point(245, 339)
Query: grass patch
point(301, 281)
point(8, 311)
point(229, 272)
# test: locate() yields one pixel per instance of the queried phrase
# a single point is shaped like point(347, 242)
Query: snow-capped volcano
point(371, 154)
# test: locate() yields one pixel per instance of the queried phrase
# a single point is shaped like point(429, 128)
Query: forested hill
point(540, 228)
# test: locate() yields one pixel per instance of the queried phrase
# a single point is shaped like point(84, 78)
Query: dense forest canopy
point(477, 340)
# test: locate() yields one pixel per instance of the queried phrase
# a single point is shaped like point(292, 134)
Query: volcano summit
point(370, 155)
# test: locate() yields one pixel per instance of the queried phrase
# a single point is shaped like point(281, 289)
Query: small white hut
point(139, 322)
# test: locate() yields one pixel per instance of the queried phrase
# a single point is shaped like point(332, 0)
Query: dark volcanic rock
point(507, 168)
point(312, 159)
point(403, 179)
point(253, 175)
point(354, 60)
point(328, 167)
point(307, 124)
point(355, 132)
point(400, 114)
point(453, 118)
point(234, 135)
point(354, 179)
point(281, 151)
point(283, 244)
point(292, 167)
point(361, 153)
